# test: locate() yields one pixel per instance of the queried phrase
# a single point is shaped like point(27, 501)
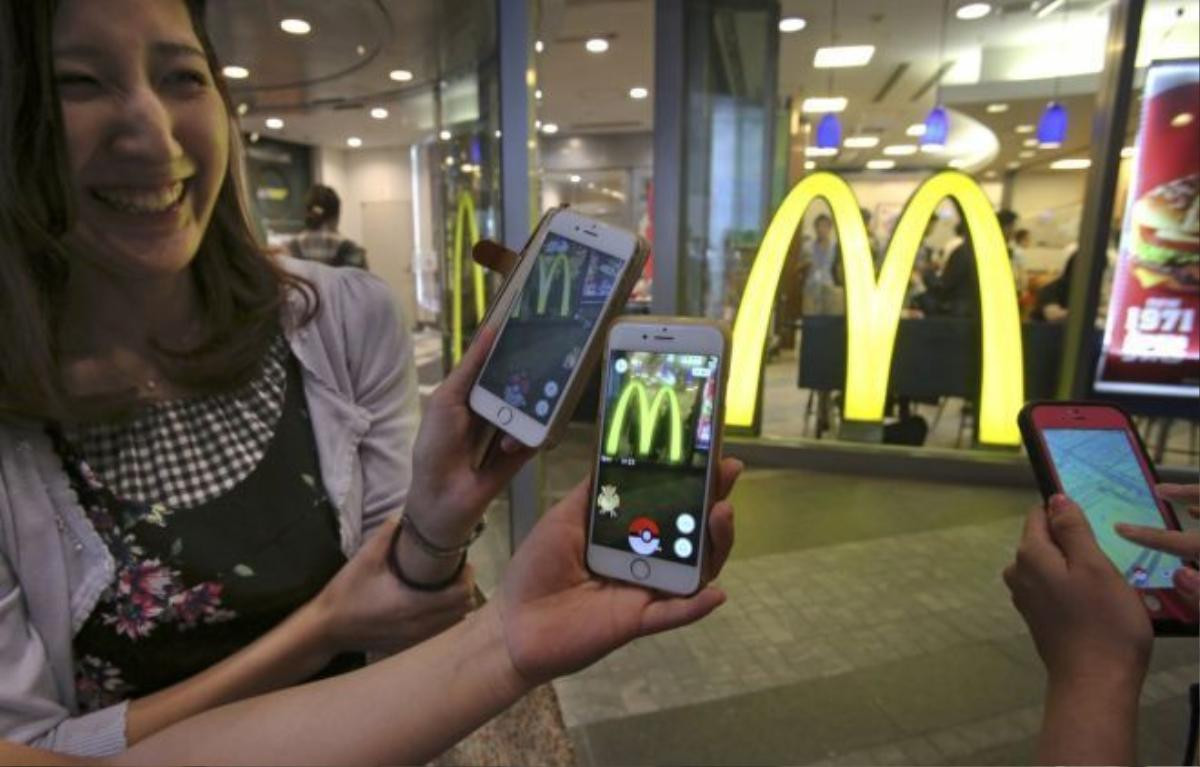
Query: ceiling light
point(958, 163)
point(900, 150)
point(820, 104)
point(400, 75)
point(497, 134)
point(829, 132)
point(809, 165)
point(354, 142)
point(444, 135)
point(1025, 154)
point(379, 113)
point(972, 11)
point(575, 179)
point(835, 57)
point(995, 109)
point(916, 129)
point(537, 94)
point(1024, 128)
point(1127, 151)
point(1013, 165)
point(1182, 119)
point(1052, 127)
point(1071, 163)
point(1029, 142)
point(933, 148)
point(596, 45)
point(820, 151)
point(880, 164)
point(450, 160)
point(792, 24)
point(861, 142)
point(467, 167)
point(1049, 144)
point(539, 46)
point(937, 126)
point(550, 129)
point(295, 26)
point(235, 73)
point(243, 108)
point(1049, 8)
point(638, 92)
point(274, 123)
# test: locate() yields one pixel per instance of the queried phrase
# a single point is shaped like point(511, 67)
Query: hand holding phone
point(660, 435)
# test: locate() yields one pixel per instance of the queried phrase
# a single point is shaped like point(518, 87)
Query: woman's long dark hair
point(242, 290)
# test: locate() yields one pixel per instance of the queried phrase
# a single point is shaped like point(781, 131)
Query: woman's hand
point(364, 607)
point(557, 617)
point(1185, 545)
point(1085, 619)
point(448, 494)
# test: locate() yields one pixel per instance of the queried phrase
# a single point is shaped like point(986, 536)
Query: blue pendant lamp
point(937, 127)
point(1052, 127)
point(829, 132)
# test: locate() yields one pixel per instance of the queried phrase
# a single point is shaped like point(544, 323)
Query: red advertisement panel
point(1152, 339)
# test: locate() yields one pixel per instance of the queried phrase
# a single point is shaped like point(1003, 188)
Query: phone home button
point(640, 569)
point(504, 416)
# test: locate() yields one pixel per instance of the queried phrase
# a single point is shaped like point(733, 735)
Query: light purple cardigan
point(360, 385)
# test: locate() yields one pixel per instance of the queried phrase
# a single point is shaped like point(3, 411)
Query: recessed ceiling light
point(916, 129)
point(254, 137)
point(1013, 165)
point(900, 150)
point(638, 92)
point(295, 26)
point(539, 46)
point(958, 163)
point(839, 56)
point(792, 24)
point(379, 113)
point(820, 151)
point(1049, 145)
point(550, 129)
point(1182, 119)
point(809, 165)
point(1127, 151)
point(235, 72)
point(972, 11)
point(354, 142)
point(400, 75)
point(537, 94)
point(575, 179)
point(1025, 154)
point(1029, 142)
point(243, 108)
point(1025, 128)
point(822, 104)
point(1071, 163)
point(996, 109)
point(497, 134)
point(880, 164)
point(274, 123)
point(933, 148)
point(444, 135)
point(450, 160)
point(861, 142)
point(596, 45)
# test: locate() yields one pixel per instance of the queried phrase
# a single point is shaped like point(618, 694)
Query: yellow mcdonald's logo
point(464, 214)
point(647, 419)
point(559, 264)
point(873, 306)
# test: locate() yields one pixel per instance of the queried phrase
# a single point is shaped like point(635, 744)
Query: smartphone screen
point(656, 435)
point(549, 324)
point(1099, 470)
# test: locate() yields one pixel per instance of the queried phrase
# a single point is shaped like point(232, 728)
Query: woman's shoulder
point(346, 295)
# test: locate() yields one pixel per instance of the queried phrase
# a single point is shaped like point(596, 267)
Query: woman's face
point(147, 133)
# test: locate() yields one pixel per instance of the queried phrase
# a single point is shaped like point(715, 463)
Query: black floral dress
point(218, 524)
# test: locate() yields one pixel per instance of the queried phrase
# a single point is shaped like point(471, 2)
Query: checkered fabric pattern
point(186, 452)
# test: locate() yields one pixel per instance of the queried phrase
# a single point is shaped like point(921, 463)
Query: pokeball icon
point(643, 536)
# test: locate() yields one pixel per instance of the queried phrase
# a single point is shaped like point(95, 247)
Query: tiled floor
point(866, 624)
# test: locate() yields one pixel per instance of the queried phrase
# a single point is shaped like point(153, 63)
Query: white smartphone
point(661, 411)
point(566, 288)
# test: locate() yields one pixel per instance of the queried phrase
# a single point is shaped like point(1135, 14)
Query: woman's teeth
point(141, 199)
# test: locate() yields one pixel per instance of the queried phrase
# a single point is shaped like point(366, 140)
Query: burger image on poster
point(644, 536)
point(1166, 236)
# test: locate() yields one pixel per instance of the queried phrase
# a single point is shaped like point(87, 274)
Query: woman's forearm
point(406, 709)
point(290, 653)
point(1090, 722)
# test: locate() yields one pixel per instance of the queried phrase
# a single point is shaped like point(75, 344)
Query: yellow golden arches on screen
point(647, 419)
point(873, 307)
point(464, 214)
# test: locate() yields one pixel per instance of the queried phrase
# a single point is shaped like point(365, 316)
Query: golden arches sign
point(873, 306)
point(647, 419)
point(464, 215)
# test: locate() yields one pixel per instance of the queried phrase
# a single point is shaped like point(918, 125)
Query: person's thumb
point(1070, 530)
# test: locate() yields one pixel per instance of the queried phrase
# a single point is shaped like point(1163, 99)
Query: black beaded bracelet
point(394, 565)
point(433, 549)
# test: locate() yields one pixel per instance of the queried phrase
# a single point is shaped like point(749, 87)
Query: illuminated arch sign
point(647, 418)
point(464, 214)
point(558, 265)
point(873, 306)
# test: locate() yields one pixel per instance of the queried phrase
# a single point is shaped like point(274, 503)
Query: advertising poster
point(1152, 338)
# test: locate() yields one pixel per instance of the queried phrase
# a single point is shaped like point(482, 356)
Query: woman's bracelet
point(433, 549)
point(429, 547)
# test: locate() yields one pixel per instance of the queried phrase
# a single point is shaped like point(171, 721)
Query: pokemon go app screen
point(549, 325)
point(655, 439)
